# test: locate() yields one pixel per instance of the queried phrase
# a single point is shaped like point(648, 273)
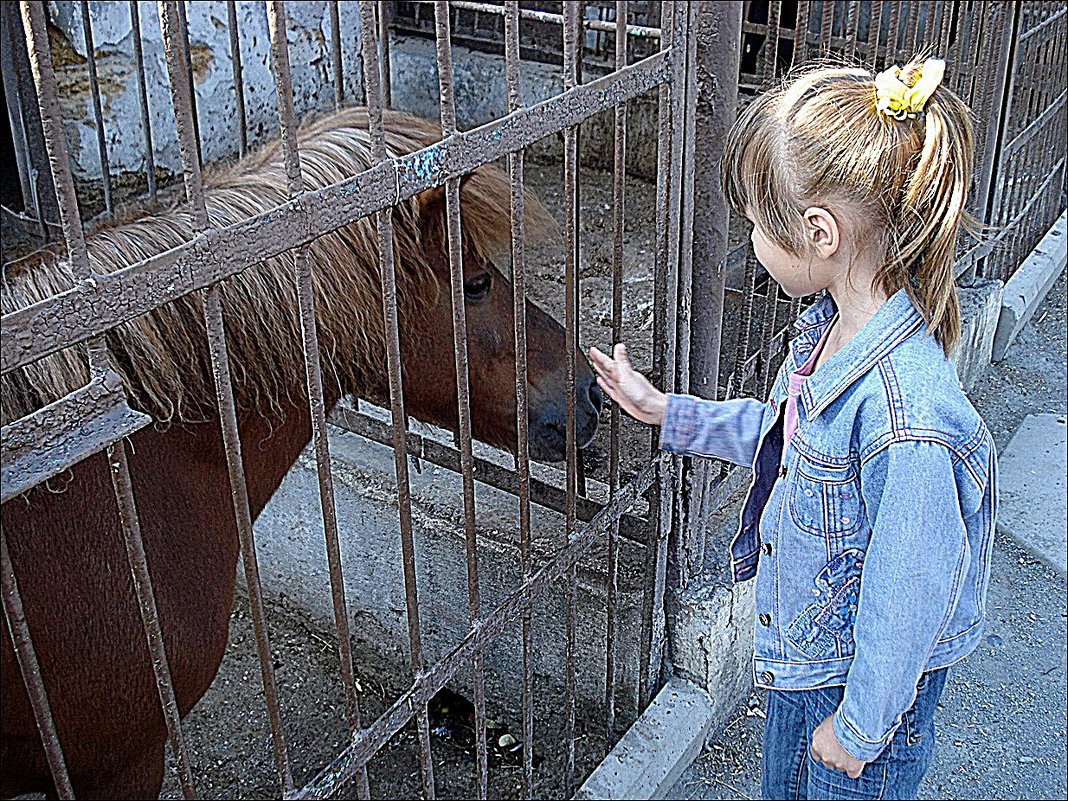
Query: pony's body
point(65, 539)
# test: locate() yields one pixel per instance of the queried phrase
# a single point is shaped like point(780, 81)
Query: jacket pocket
point(824, 499)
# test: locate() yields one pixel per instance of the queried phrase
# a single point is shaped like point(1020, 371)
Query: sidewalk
point(1002, 720)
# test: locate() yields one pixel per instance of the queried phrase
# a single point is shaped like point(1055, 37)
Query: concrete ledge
point(980, 310)
point(1033, 488)
point(654, 752)
point(1029, 285)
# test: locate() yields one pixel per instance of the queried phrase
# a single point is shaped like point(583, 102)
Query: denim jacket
point(873, 531)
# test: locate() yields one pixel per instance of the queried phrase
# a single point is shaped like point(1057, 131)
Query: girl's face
point(798, 276)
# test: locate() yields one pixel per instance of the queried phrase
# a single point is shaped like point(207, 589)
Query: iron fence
point(99, 416)
point(719, 325)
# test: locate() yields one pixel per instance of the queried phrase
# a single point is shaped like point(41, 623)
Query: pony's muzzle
point(548, 430)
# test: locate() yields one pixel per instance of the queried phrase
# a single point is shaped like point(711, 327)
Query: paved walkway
point(1002, 720)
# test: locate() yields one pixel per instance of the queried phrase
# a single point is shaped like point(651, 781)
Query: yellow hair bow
point(900, 100)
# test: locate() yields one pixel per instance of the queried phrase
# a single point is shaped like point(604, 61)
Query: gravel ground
point(1002, 720)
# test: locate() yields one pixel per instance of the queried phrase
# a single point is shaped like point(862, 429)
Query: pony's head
point(430, 375)
point(162, 355)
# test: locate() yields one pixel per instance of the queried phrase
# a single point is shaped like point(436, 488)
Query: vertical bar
point(173, 39)
point(572, 32)
point(827, 27)
point(619, 181)
point(98, 116)
point(335, 55)
point(804, 11)
point(142, 94)
point(383, 49)
point(892, 32)
point(519, 311)
point(384, 218)
point(33, 20)
point(463, 392)
point(183, 32)
point(852, 14)
point(912, 22)
point(239, 89)
point(276, 23)
point(33, 15)
point(771, 43)
point(30, 669)
point(146, 601)
point(875, 24)
point(674, 25)
point(716, 59)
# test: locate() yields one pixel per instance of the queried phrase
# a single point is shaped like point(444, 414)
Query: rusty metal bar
point(463, 392)
point(142, 96)
point(487, 472)
point(571, 237)
point(30, 669)
point(61, 434)
point(335, 55)
point(384, 219)
point(852, 15)
point(146, 602)
point(368, 742)
point(716, 61)
point(34, 23)
point(98, 115)
point(173, 39)
point(548, 16)
point(619, 181)
point(239, 88)
point(875, 24)
point(183, 34)
point(912, 21)
point(519, 312)
point(826, 27)
point(276, 23)
point(892, 32)
point(76, 314)
point(771, 42)
point(383, 51)
point(800, 54)
point(668, 186)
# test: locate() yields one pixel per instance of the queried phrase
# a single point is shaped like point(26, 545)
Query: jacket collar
point(895, 321)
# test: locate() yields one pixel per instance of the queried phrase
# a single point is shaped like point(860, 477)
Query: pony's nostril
point(596, 396)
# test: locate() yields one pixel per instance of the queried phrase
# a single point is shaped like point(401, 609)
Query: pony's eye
point(478, 287)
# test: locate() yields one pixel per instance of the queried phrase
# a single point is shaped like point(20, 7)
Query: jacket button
point(766, 547)
point(767, 677)
point(765, 619)
point(782, 472)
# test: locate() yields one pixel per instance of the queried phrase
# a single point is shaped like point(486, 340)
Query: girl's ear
point(822, 232)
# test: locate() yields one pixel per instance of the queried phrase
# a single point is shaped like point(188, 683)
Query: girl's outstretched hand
point(627, 387)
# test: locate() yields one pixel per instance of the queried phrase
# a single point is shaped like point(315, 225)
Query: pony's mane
point(163, 355)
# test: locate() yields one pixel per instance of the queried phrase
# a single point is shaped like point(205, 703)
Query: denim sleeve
point(909, 586)
point(727, 430)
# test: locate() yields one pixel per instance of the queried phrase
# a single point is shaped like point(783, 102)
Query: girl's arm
point(690, 426)
point(909, 586)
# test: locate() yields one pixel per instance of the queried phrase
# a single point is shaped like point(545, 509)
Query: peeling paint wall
point(310, 53)
point(479, 83)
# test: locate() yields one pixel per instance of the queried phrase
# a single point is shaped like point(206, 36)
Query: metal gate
point(99, 416)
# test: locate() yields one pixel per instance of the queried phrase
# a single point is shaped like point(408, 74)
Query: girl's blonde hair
point(818, 139)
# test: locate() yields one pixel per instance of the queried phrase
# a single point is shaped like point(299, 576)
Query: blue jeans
point(789, 773)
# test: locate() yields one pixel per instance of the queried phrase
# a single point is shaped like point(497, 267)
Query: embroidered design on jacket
point(825, 628)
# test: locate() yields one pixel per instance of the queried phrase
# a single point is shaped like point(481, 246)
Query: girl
point(871, 511)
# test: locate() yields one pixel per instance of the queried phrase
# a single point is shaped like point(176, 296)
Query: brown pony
point(65, 537)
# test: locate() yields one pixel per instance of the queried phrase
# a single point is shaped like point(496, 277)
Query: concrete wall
point(293, 566)
point(309, 46)
point(479, 84)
